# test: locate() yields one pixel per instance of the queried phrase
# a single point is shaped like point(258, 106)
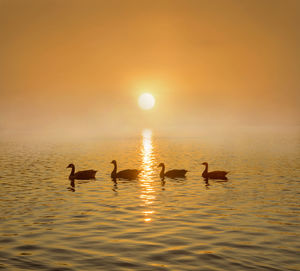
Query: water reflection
point(72, 185)
point(115, 185)
point(146, 176)
point(206, 183)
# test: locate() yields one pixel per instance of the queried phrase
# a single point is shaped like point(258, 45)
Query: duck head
point(205, 164)
point(70, 166)
point(161, 165)
point(114, 162)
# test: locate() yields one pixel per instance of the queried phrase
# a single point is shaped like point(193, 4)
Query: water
point(250, 222)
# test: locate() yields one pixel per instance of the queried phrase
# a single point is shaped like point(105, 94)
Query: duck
point(81, 175)
point(174, 173)
point(221, 175)
point(129, 174)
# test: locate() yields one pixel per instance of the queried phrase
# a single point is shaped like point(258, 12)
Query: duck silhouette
point(81, 175)
point(221, 175)
point(174, 173)
point(129, 174)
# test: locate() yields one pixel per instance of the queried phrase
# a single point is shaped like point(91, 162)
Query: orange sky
point(69, 64)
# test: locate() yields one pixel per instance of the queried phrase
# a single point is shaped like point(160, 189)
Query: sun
point(146, 101)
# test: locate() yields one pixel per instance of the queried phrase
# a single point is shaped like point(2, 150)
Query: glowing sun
point(146, 101)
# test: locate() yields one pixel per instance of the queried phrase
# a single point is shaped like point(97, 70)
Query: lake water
point(250, 222)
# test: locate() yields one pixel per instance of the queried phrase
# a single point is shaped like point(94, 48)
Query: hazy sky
point(79, 66)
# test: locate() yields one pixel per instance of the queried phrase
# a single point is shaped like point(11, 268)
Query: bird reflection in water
point(115, 185)
point(72, 185)
point(146, 180)
point(206, 183)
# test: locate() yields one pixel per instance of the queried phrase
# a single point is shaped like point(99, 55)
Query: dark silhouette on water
point(174, 173)
point(72, 184)
point(81, 175)
point(129, 174)
point(115, 185)
point(221, 175)
point(206, 183)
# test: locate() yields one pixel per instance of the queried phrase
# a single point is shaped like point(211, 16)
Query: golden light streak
point(146, 181)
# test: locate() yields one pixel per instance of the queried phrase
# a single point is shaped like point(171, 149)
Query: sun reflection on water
point(146, 180)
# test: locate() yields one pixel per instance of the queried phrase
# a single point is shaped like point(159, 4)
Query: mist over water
point(79, 68)
point(249, 222)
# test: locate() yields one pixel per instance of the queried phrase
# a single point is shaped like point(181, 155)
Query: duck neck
point(72, 171)
point(204, 174)
point(162, 172)
point(114, 172)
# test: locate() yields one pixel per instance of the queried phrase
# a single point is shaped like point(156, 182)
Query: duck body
point(174, 173)
point(221, 175)
point(129, 174)
point(81, 175)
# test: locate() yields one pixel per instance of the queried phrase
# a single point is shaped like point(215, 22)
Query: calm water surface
point(250, 222)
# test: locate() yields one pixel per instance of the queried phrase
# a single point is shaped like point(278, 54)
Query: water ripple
point(250, 222)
